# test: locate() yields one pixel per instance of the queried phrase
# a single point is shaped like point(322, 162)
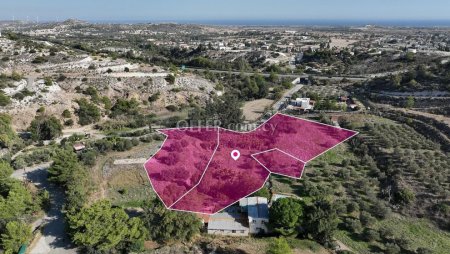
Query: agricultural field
point(382, 195)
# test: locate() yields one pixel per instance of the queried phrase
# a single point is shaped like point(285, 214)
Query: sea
point(326, 23)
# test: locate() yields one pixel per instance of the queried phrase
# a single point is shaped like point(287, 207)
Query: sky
point(195, 10)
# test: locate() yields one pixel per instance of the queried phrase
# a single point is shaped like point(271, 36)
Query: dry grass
point(255, 109)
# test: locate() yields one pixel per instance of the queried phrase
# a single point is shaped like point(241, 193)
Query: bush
point(69, 122)
point(405, 196)
point(279, 246)
point(88, 157)
point(172, 108)
point(370, 235)
point(170, 79)
point(366, 219)
point(48, 81)
point(392, 248)
point(4, 100)
point(66, 113)
point(353, 225)
point(41, 109)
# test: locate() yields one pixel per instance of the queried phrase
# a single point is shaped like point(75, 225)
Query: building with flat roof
point(257, 210)
point(228, 222)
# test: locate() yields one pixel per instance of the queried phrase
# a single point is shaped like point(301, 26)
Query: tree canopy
point(16, 234)
point(7, 134)
point(87, 112)
point(285, 215)
point(165, 225)
point(45, 128)
point(103, 227)
point(321, 221)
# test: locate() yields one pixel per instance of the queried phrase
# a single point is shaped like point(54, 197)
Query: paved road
point(350, 77)
point(54, 239)
point(289, 93)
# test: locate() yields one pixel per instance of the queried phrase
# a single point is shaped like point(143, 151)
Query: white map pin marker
point(235, 154)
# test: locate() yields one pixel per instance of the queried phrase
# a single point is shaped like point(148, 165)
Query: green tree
point(45, 128)
point(103, 227)
point(16, 234)
point(5, 171)
point(87, 112)
point(124, 107)
point(15, 199)
point(7, 135)
point(165, 225)
point(226, 109)
point(65, 162)
point(285, 215)
point(279, 246)
point(321, 221)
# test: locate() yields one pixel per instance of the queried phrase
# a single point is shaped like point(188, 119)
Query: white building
point(412, 50)
point(303, 103)
point(228, 222)
point(258, 214)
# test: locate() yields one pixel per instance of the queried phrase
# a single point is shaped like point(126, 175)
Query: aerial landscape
point(215, 127)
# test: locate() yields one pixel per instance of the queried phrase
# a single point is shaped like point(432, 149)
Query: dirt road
point(54, 239)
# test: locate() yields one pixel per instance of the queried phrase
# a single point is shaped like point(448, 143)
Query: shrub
point(370, 235)
point(353, 225)
point(392, 248)
point(66, 114)
point(279, 246)
point(4, 100)
point(154, 97)
point(68, 122)
point(172, 108)
point(170, 79)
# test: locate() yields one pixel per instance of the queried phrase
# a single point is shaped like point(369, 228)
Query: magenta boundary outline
point(275, 173)
point(161, 146)
point(243, 132)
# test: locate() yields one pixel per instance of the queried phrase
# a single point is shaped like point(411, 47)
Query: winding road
point(54, 239)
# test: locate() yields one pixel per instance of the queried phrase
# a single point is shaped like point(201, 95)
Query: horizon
point(264, 22)
point(382, 11)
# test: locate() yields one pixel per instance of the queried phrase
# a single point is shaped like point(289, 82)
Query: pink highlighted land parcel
point(198, 169)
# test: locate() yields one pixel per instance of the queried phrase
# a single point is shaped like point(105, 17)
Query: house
point(78, 147)
point(257, 210)
point(228, 222)
point(250, 217)
point(302, 104)
point(412, 50)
